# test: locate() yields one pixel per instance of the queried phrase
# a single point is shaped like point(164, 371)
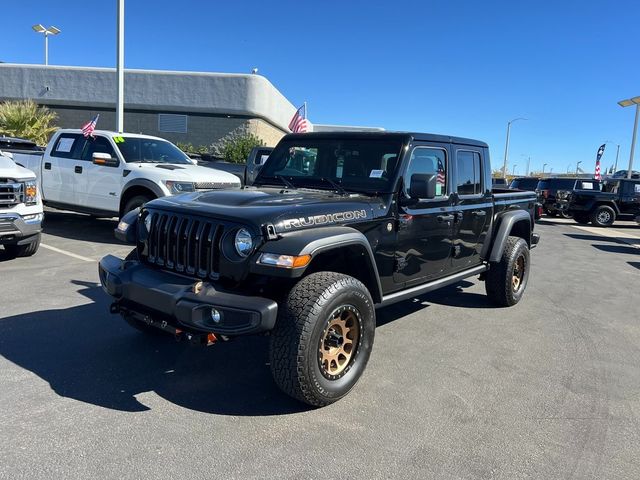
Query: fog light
point(215, 315)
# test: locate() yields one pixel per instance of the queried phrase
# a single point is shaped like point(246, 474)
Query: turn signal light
point(284, 261)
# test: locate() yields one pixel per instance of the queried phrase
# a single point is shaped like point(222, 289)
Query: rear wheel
point(507, 280)
point(25, 250)
point(323, 338)
point(603, 216)
point(564, 213)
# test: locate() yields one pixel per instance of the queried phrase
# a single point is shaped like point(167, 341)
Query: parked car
point(619, 198)
point(20, 208)
point(335, 225)
point(499, 182)
point(552, 193)
point(528, 184)
point(110, 173)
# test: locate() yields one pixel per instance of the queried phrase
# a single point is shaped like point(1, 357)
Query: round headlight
point(243, 242)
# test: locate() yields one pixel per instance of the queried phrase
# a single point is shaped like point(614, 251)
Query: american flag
point(88, 128)
point(298, 123)
point(440, 176)
point(597, 175)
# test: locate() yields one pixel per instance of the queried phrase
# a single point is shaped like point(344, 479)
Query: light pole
point(514, 170)
point(120, 68)
point(627, 103)
point(543, 166)
point(46, 31)
point(568, 168)
point(506, 147)
point(615, 168)
point(578, 166)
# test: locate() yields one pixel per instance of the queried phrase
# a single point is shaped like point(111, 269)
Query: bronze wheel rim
point(339, 342)
point(518, 273)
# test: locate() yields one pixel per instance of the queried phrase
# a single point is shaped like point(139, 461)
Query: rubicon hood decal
point(310, 221)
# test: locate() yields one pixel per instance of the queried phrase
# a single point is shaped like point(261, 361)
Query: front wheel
point(135, 202)
point(603, 216)
point(323, 338)
point(507, 280)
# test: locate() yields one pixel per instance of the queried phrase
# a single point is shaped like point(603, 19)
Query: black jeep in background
point(336, 225)
point(553, 192)
point(619, 199)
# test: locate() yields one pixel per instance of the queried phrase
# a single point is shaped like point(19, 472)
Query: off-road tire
point(499, 282)
point(135, 202)
point(26, 250)
point(581, 218)
point(566, 214)
point(298, 339)
point(603, 216)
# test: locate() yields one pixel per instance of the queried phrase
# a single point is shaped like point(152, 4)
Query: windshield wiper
point(288, 183)
point(339, 188)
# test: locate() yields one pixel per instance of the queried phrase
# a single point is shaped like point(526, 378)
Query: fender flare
point(142, 182)
point(595, 204)
point(506, 223)
point(314, 242)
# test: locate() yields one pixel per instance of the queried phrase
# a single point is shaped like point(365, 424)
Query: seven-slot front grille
point(185, 244)
point(11, 192)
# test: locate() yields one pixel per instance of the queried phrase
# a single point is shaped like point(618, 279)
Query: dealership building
point(190, 107)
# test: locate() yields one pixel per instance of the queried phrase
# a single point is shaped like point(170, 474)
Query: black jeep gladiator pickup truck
point(619, 198)
point(335, 225)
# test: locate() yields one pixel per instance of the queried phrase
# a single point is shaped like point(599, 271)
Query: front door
point(103, 183)
point(474, 206)
point(425, 227)
point(59, 179)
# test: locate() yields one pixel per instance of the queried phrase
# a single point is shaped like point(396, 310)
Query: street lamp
point(543, 167)
point(578, 166)
point(568, 167)
point(506, 147)
point(615, 168)
point(46, 31)
point(514, 170)
point(627, 103)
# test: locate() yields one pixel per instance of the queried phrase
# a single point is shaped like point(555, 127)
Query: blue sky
point(455, 67)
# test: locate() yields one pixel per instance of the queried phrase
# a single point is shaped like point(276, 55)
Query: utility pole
point(120, 69)
point(633, 140)
point(615, 168)
point(506, 147)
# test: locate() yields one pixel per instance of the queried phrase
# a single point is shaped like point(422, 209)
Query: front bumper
point(173, 299)
point(14, 229)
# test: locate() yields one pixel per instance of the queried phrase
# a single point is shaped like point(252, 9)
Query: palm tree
point(26, 119)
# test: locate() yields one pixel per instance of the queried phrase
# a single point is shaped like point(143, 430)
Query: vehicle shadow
point(592, 238)
point(635, 264)
point(78, 226)
point(87, 354)
point(618, 249)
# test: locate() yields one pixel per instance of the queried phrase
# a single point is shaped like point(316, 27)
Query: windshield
point(359, 165)
point(150, 150)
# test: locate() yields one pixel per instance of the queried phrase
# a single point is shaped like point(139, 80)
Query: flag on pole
point(298, 123)
point(597, 176)
point(88, 128)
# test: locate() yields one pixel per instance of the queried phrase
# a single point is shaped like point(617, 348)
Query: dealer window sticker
point(376, 173)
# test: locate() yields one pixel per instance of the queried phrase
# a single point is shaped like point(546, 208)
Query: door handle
point(47, 166)
point(446, 218)
point(78, 169)
point(480, 213)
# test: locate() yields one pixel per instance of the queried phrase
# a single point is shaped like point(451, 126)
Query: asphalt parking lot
point(455, 388)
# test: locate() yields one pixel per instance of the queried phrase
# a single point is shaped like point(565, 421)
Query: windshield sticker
point(376, 173)
point(587, 186)
point(118, 139)
point(65, 145)
point(323, 219)
point(637, 187)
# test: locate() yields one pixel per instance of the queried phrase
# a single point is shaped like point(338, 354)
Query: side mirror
point(105, 160)
point(423, 186)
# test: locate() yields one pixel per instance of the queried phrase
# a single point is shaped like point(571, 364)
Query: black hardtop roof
point(16, 141)
point(425, 137)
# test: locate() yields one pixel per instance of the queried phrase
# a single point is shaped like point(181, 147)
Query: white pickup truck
point(20, 208)
point(109, 174)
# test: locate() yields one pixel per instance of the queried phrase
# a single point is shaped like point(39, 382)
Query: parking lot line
point(67, 253)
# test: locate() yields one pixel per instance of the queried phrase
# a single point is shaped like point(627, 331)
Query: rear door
point(473, 206)
point(58, 177)
point(102, 184)
point(630, 197)
point(425, 228)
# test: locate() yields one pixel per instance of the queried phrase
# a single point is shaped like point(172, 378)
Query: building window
point(171, 123)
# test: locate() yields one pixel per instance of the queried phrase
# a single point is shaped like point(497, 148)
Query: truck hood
point(287, 210)
point(8, 169)
point(184, 172)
